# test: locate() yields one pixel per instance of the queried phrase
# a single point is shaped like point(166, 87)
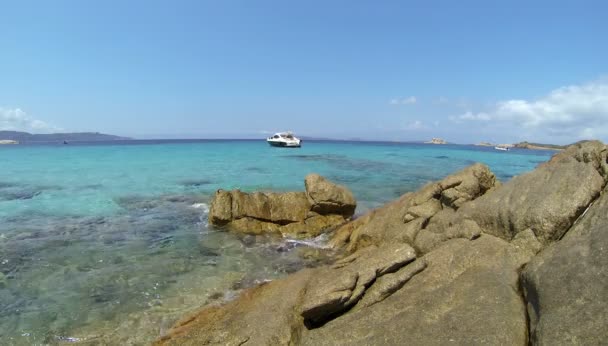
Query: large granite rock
point(403, 219)
point(262, 315)
point(329, 198)
point(339, 287)
point(467, 295)
point(547, 200)
point(566, 285)
point(304, 214)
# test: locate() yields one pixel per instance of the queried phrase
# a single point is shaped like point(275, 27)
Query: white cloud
point(442, 100)
point(15, 119)
point(574, 112)
point(471, 116)
point(415, 125)
point(410, 100)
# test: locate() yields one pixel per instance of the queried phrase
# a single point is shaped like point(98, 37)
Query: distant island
point(25, 137)
point(539, 146)
point(528, 145)
point(436, 141)
point(485, 144)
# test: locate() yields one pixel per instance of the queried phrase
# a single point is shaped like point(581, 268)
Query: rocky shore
point(323, 206)
point(465, 260)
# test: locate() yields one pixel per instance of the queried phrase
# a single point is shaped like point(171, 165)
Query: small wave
point(319, 242)
point(203, 206)
point(68, 338)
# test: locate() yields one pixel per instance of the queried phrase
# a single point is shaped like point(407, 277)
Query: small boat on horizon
point(498, 147)
point(284, 140)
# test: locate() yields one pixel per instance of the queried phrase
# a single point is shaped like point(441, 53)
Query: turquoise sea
point(109, 242)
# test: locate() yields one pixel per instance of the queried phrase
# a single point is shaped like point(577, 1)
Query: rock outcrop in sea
point(437, 141)
point(462, 261)
point(322, 206)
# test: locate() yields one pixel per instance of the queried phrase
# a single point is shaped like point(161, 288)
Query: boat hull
point(283, 144)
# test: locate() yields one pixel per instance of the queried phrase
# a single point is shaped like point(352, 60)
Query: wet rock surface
point(466, 260)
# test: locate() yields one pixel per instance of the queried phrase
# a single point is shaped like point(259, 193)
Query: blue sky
point(467, 71)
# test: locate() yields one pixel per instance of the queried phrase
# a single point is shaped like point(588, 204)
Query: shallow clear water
point(109, 241)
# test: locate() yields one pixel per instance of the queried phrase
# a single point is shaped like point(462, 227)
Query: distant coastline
point(527, 145)
point(540, 146)
point(25, 137)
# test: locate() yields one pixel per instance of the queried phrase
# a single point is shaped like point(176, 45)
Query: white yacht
point(284, 139)
point(500, 147)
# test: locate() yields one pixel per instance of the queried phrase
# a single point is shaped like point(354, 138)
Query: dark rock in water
point(11, 195)
point(442, 157)
point(161, 241)
point(347, 164)
point(256, 169)
point(179, 199)
point(136, 202)
point(207, 251)
point(285, 247)
point(92, 186)
point(4, 185)
point(248, 240)
point(194, 183)
point(566, 285)
point(104, 293)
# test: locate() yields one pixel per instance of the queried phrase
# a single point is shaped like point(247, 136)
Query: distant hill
point(24, 137)
point(528, 145)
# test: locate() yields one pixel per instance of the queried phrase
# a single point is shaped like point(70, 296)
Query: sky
point(465, 71)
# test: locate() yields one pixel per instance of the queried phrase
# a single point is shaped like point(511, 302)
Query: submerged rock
point(322, 206)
